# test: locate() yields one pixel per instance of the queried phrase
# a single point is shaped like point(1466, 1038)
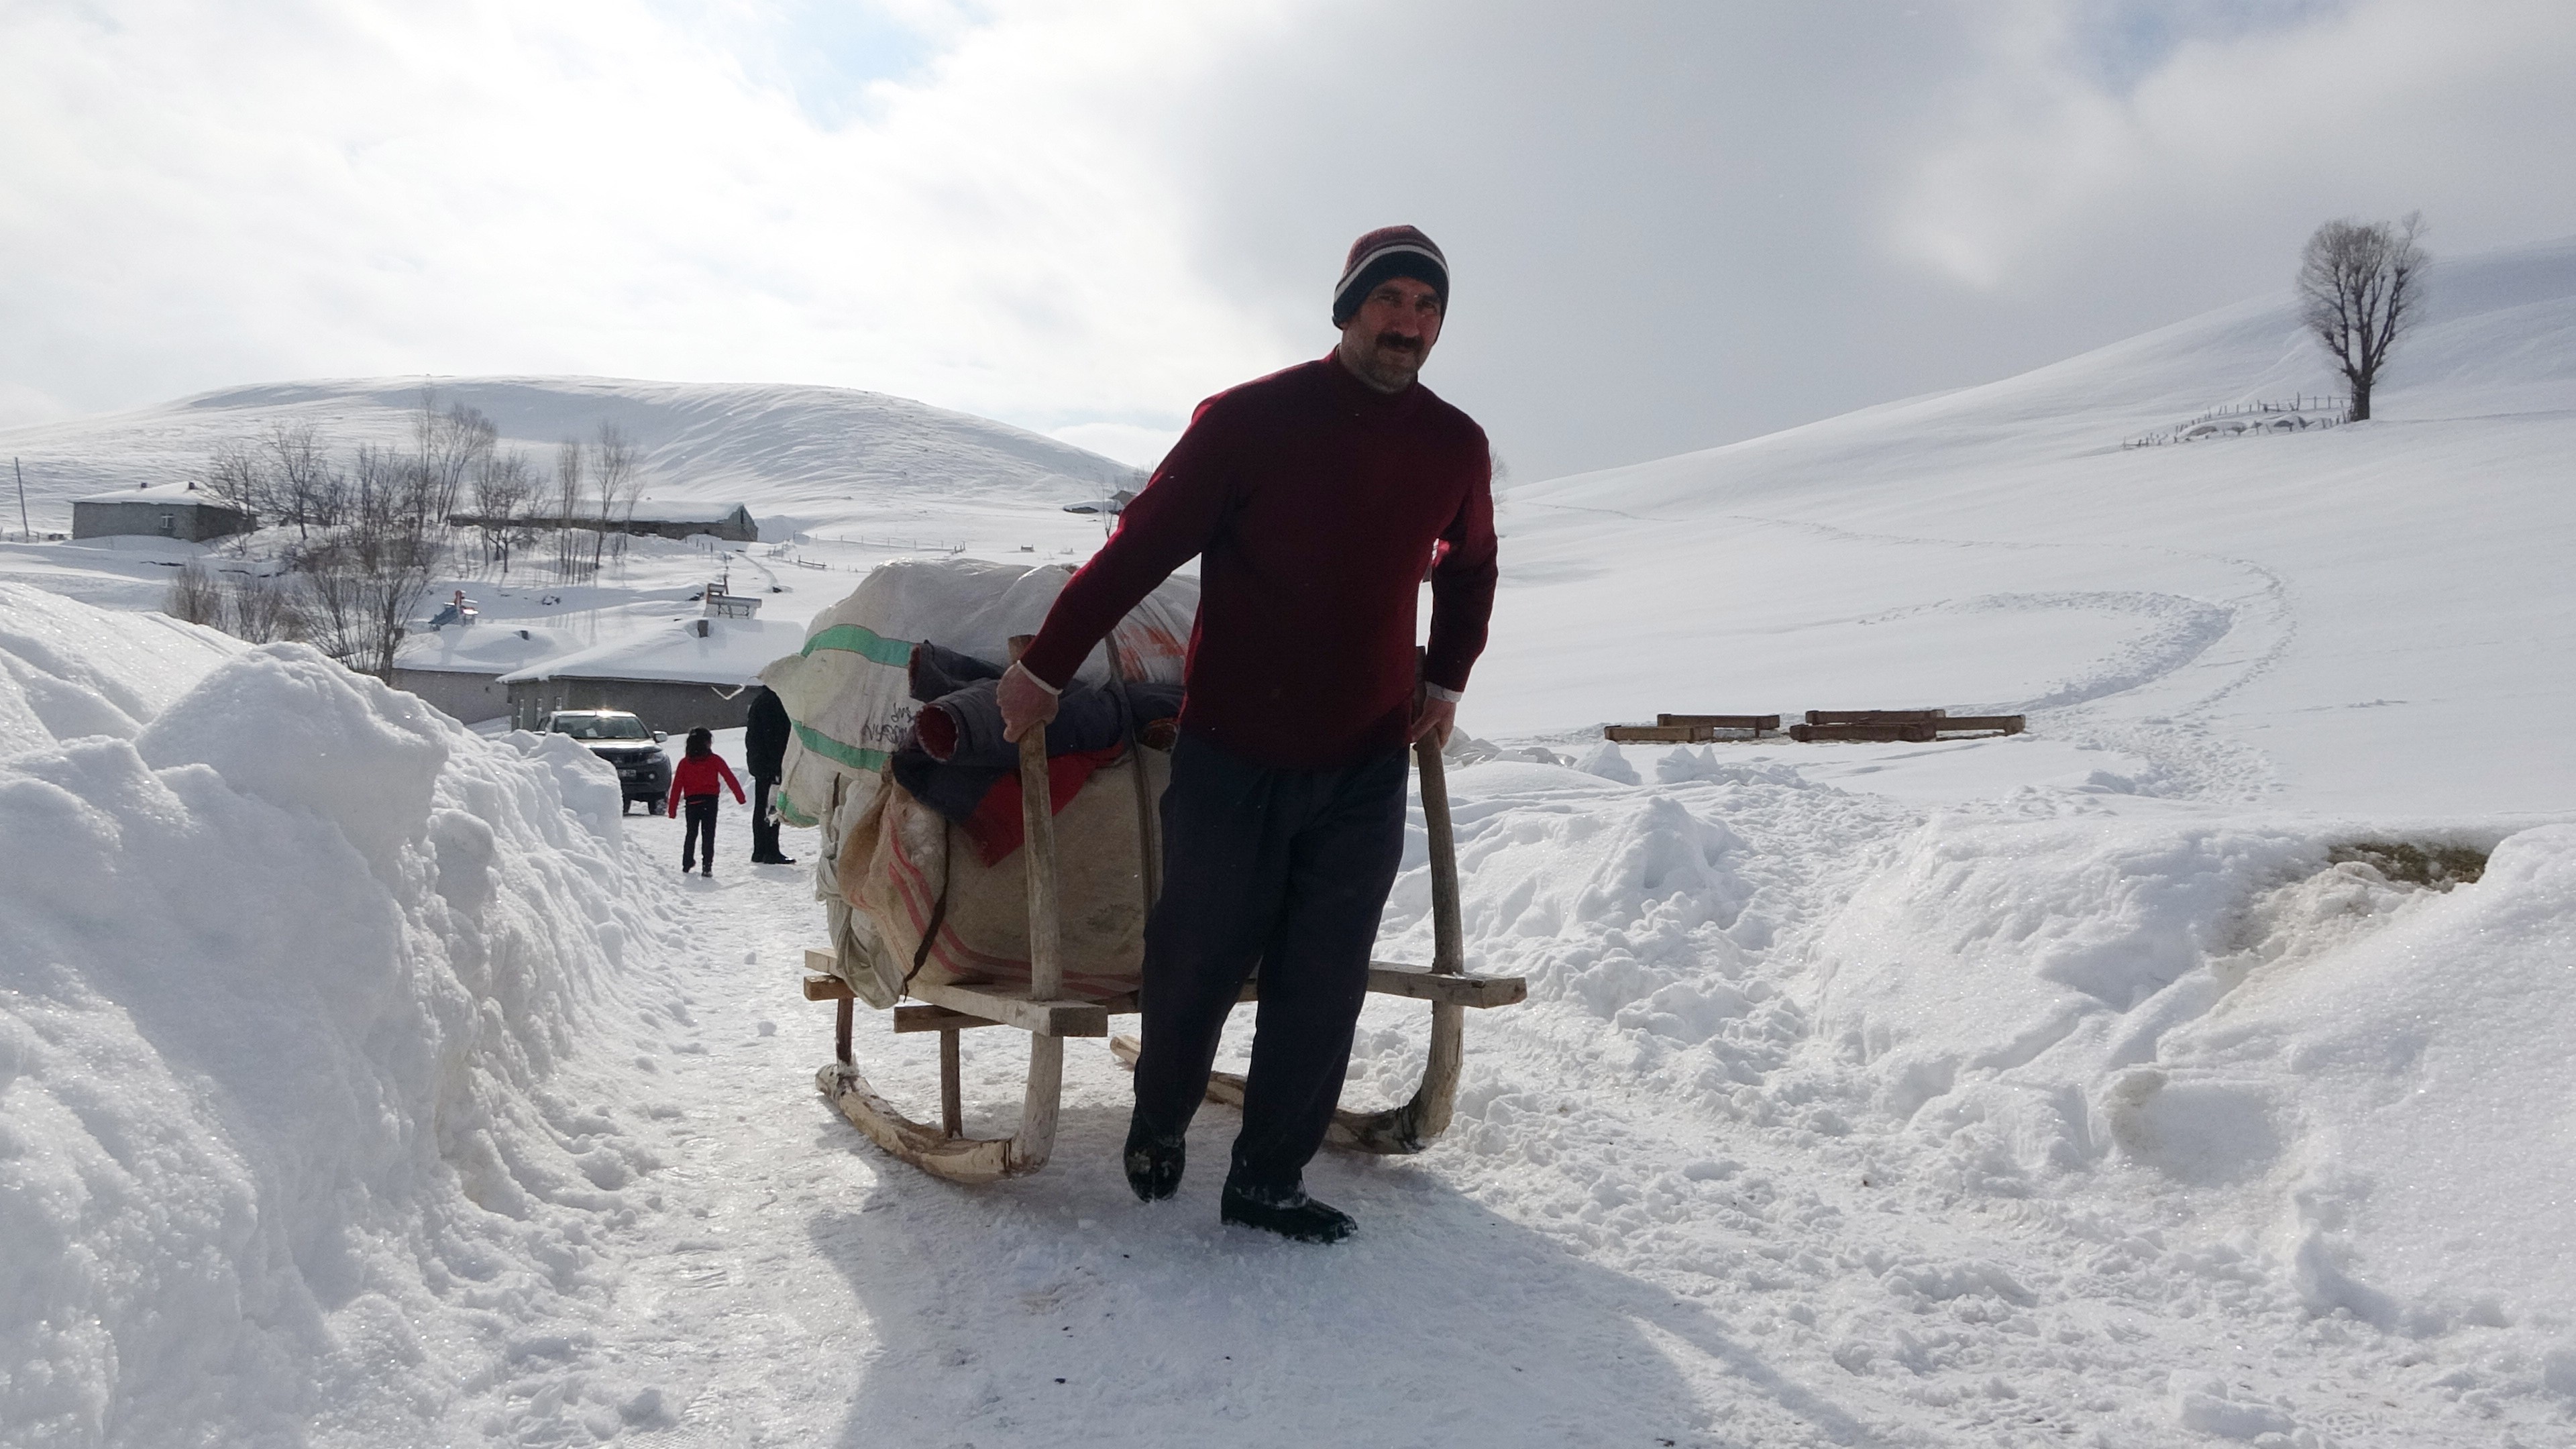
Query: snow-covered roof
point(650, 511)
point(180, 492)
point(731, 651)
point(488, 647)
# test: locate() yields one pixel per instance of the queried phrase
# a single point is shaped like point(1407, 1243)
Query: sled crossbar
point(989, 1005)
point(954, 1013)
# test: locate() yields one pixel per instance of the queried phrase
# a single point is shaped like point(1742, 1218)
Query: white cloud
point(1673, 224)
point(2462, 109)
point(212, 194)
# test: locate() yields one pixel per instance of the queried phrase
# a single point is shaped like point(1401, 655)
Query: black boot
point(1290, 1214)
point(1153, 1162)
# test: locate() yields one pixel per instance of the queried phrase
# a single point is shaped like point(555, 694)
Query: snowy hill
point(839, 481)
point(2314, 613)
point(821, 458)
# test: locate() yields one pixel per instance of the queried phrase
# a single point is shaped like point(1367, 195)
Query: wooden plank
point(1014, 1008)
point(1420, 983)
point(1386, 978)
point(937, 1018)
point(1870, 716)
point(1920, 732)
point(1044, 1096)
point(826, 988)
point(952, 1097)
point(1754, 722)
point(2011, 724)
point(1656, 734)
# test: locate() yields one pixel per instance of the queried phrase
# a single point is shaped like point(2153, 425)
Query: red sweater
point(700, 775)
point(1315, 503)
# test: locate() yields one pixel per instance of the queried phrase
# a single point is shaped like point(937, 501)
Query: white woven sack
point(848, 692)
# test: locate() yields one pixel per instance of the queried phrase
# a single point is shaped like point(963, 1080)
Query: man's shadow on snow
point(1057, 1309)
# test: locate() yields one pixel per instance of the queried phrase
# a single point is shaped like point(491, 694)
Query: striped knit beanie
point(1389, 251)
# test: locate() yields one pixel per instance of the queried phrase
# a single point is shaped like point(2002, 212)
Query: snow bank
point(2286, 1036)
point(290, 959)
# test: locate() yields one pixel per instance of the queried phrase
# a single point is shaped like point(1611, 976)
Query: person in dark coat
point(1315, 499)
point(701, 774)
point(764, 744)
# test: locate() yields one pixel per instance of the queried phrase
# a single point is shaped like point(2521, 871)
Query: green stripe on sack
point(788, 812)
point(832, 749)
point(861, 640)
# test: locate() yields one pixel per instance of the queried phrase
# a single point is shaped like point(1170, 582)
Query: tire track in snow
point(2186, 758)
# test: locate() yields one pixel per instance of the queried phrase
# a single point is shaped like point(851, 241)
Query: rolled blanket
point(956, 753)
point(962, 724)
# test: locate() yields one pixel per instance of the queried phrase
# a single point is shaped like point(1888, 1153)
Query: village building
point(179, 511)
point(679, 676)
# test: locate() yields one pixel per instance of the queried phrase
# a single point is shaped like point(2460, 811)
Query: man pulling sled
point(1314, 499)
point(1258, 830)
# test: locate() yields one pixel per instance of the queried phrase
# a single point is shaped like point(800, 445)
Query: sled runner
point(1050, 1010)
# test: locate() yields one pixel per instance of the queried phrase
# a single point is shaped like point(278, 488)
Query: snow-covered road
point(1657, 1220)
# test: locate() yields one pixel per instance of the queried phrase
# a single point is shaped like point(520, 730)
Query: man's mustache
point(1398, 342)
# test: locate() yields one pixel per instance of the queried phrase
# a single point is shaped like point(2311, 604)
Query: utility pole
point(24, 532)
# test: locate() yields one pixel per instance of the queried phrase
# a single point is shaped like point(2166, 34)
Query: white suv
point(643, 770)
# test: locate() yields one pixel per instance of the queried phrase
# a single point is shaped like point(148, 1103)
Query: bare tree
point(618, 482)
point(393, 541)
point(196, 597)
point(303, 488)
point(331, 598)
point(2360, 286)
point(243, 604)
point(259, 609)
point(452, 441)
point(233, 476)
point(503, 486)
point(568, 502)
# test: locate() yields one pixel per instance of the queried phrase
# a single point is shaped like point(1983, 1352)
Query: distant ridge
point(819, 454)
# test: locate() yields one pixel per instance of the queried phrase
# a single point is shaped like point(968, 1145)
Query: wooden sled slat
point(935, 1018)
point(1423, 983)
point(965, 1007)
point(1025, 1011)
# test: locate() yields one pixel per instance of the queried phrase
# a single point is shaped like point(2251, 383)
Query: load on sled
point(970, 883)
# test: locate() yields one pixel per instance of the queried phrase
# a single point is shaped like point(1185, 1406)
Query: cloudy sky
point(1672, 225)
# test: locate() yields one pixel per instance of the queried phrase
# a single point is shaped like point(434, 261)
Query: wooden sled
point(1041, 1011)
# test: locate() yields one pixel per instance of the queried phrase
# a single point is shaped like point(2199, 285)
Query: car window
point(602, 727)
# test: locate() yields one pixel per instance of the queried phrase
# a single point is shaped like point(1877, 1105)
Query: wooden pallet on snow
point(1691, 729)
point(1913, 726)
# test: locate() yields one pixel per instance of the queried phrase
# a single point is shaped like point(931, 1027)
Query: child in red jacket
point(700, 771)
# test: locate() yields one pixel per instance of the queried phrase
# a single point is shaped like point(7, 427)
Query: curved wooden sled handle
point(943, 1151)
point(1419, 1122)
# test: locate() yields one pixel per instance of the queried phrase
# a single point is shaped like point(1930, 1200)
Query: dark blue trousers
point(1286, 871)
point(699, 820)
